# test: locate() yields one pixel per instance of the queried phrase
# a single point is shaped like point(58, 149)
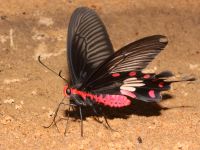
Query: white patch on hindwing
point(130, 84)
point(128, 88)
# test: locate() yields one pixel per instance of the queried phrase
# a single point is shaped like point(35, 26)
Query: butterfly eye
point(68, 91)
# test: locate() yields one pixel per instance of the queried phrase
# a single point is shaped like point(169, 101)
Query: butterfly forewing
point(88, 44)
point(133, 57)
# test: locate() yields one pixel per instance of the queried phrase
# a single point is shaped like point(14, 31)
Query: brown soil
point(29, 93)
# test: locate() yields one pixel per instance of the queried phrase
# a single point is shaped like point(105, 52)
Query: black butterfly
point(100, 76)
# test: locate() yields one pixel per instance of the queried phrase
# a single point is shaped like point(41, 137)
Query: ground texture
point(29, 93)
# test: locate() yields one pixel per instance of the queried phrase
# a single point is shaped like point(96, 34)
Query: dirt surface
point(29, 93)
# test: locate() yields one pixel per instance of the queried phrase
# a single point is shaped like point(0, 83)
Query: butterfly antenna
point(58, 74)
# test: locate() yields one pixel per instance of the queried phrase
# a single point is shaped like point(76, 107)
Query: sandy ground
point(29, 93)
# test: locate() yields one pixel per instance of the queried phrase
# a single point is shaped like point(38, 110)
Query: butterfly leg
point(67, 120)
point(96, 118)
point(107, 124)
point(55, 115)
point(105, 118)
point(81, 117)
point(54, 122)
point(78, 102)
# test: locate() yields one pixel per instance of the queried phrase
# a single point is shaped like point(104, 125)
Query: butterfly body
point(101, 76)
point(82, 98)
point(123, 87)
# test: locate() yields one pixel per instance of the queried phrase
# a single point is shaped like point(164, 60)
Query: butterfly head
point(67, 90)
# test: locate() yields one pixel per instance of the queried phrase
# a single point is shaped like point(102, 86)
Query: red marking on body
point(131, 74)
point(64, 90)
point(161, 84)
point(115, 74)
point(152, 93)
point(128, 93)
point(146, 76)
point(80, 93)
point(107, 100)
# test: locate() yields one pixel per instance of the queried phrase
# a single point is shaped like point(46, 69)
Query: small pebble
point(46, 21)
point(18, 107)
point(8, 81)
point(139, 139)
point(6, 120)
point(193, 66)
point(9, 101)
point(34, 92)
point(50, 113)
point(3, 17)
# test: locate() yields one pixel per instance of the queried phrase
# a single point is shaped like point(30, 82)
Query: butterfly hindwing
point(137, 85)
point(88, 44)
point(121, 72)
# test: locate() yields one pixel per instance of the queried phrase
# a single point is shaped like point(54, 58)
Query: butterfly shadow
point(137, 107)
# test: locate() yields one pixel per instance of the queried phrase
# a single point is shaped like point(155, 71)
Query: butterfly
point(99, 76)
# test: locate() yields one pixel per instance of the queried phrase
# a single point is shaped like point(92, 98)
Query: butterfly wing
point(131, 58)
point(88, 44)
point(121, 73)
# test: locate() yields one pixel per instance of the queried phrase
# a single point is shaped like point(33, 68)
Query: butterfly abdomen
point(104, 99)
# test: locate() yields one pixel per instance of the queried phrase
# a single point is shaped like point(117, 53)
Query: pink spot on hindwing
point(161, 84)
point(115, 74)
point(146, 76)
point(131, 74)
point(152, 93)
